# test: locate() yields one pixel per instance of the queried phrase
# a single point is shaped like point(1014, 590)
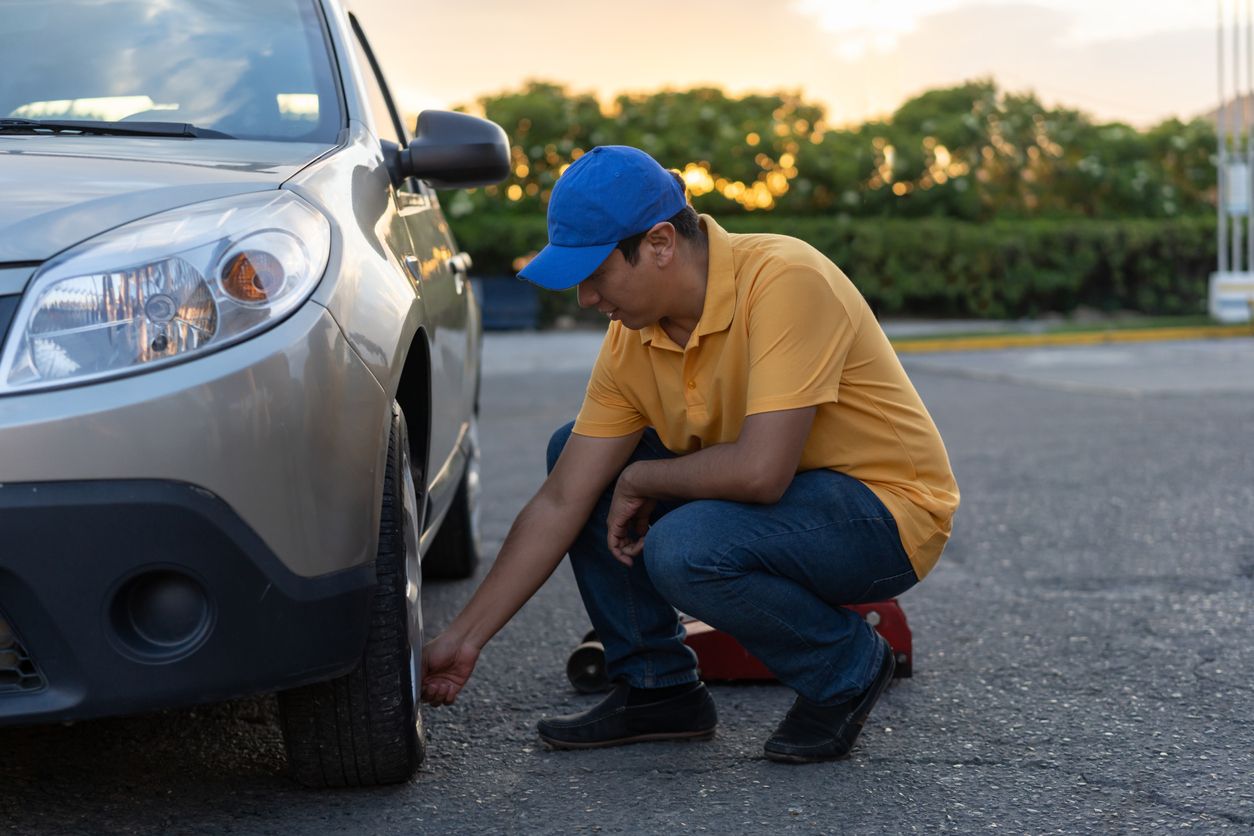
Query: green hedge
point(946, 268)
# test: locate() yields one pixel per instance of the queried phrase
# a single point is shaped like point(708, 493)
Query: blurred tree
point(549, 127)
point(968, 152)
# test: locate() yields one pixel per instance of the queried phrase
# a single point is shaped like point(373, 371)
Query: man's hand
point(447, 662)
point(537, 541)
point(628, 519)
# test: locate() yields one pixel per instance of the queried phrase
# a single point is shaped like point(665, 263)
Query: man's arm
point(757, 467)
point(537, 541)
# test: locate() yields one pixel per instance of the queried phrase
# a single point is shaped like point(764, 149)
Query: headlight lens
point(165, 288)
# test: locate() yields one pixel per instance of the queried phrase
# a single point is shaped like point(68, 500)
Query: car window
point(253, 69)
point(380, 103)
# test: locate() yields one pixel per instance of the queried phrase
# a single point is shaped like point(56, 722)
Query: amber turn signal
point(252, 276)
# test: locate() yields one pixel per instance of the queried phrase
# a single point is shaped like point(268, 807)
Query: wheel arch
point(413, 394)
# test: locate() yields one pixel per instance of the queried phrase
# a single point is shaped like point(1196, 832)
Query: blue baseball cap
point(610, 193)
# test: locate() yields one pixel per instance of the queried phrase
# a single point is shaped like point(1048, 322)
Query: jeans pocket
point(889, 587)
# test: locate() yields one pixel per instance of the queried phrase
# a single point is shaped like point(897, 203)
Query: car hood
point(56, 191)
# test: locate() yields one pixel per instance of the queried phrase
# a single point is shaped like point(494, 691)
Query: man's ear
point(662, 237)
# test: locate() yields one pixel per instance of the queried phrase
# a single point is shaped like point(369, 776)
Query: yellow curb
point(1129, 335)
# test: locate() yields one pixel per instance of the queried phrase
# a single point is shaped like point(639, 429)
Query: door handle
point(460, 263)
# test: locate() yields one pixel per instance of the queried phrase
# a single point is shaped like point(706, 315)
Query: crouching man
point(749, 451)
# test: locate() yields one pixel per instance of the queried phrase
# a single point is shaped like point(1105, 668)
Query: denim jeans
point(772, 576)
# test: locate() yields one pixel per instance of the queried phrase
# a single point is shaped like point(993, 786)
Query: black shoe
point(811, 733)
point(612, 722)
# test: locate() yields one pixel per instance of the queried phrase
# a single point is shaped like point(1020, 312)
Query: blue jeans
point(772, 576)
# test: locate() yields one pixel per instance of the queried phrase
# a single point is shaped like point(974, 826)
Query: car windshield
point(252, 69)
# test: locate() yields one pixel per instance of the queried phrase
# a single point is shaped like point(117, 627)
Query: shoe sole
point(780, 757)
point(858, 718)
point(704, 734)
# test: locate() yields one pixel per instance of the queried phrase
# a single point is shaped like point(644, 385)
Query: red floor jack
point(722, 658)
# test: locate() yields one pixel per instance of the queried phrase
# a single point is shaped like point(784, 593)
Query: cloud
point(1028, 46)
point(860, 28)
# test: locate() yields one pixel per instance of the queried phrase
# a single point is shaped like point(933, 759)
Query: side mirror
point(456, 151)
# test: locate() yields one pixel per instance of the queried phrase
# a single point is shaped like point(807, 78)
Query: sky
point(1138, 61)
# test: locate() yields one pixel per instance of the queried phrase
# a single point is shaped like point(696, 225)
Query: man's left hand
point(628, 519)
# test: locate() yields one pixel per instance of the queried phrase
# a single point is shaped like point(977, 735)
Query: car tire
point(365, 728)
point(454, 554)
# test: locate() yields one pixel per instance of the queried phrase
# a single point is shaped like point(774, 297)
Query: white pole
point(1221, 191)
point(1237, 126)
point(1249, 133)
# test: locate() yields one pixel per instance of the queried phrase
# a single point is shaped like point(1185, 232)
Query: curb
point(1130, 335)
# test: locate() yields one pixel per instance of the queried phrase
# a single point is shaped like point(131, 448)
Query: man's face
point(618, 289)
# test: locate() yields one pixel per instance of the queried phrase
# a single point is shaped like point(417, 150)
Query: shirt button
point(692, 384)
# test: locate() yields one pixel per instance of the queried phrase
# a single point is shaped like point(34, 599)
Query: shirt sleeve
point(800, 333)
point(606, 411)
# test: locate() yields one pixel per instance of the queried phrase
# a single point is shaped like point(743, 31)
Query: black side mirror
point(456, 151)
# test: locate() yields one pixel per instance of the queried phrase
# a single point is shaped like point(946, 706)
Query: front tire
point(365, 728)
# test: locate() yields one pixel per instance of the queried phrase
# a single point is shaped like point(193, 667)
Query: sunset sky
point(1134, 60)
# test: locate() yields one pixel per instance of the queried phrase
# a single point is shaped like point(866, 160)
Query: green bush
point(946, 268)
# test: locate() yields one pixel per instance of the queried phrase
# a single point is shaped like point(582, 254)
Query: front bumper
point(190, 533)
point(136, 595)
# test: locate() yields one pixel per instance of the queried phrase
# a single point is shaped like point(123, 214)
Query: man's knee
point(557, 443)
point(674, 558)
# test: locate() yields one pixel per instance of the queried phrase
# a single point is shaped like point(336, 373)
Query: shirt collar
point(720, 289)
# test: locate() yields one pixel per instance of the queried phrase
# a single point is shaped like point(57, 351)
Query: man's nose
point(585, 295)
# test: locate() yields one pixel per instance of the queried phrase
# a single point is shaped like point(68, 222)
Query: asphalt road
point(1084, 651)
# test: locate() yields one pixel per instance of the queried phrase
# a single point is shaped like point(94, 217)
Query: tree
point(969, 152)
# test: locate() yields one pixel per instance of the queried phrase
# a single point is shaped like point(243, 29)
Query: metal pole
point(1249, 133)
point(1237, 126)
point(1221, 191)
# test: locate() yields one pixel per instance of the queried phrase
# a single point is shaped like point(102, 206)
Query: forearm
point(535, 545)
point(721, 471)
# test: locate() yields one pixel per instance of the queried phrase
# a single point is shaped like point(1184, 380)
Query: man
point(749, 451)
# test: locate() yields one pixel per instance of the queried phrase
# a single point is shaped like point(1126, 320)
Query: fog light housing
point(161, 615)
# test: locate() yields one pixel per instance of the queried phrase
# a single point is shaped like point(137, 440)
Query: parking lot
point(1084, 650)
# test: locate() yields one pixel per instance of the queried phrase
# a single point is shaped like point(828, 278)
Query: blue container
point(508, 304)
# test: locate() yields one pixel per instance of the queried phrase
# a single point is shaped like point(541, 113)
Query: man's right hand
point(447, 662)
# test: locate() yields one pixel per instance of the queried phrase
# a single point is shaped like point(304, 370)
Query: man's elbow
point(768, 488)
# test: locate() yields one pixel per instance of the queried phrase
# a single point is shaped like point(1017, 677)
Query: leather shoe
point(613, 722)
point(810, 732)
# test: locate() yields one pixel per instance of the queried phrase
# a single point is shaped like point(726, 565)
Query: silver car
point(240, 371)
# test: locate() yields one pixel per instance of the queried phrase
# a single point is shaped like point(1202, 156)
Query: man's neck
point(691, 282)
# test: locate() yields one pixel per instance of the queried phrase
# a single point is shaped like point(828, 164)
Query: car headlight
point(166, 288)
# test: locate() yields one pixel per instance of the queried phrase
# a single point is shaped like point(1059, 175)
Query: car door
point(440, 276)
point(464, 314)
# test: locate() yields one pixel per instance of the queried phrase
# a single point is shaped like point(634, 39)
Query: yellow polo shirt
point(782, 328)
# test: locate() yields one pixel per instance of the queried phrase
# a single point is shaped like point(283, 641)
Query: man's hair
point(685, 221)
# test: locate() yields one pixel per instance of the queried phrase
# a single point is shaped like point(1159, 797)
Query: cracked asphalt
point(1084, 652)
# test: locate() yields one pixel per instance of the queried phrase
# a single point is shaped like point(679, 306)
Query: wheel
point(454, 554)
point(365, 728)
point(585, 669)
